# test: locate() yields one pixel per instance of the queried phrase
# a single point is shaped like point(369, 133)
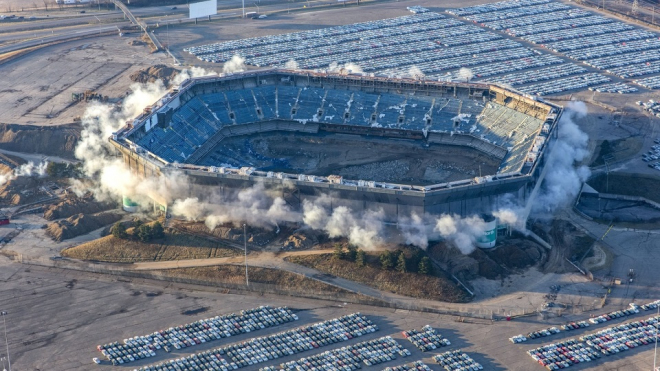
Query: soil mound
point(153, 73)
point(300, 240)
point(79, 224)
point(22, 190)
point(229, 232)
point(74, 205)
point(511, 255)
point(47, 140)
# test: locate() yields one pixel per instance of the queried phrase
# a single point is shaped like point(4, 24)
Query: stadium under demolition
point(184, 133)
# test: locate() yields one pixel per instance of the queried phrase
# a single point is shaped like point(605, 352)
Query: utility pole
point(247, 281)
point(655, 353)
point(243, 8)
point(4, 322)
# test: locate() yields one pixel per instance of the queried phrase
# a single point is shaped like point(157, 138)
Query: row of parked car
point(563, 354)
point(429, 62)
point(504, 10)
point(560, 11)
point(427, 339)
point(331, 33)
point(623, 337)
point(565, 84)
point(349, 358)
point(541, 74)
point(635, 70)
point(509, 5)
point(649, 82)
point(514, 65)
point(590, 347)
point(263, 349)
point(632, 310)
point(415, 366)
point(616, 87)
point(456, 360)
point(591, 41)
point(558, 25)
point(194, 333)
point(361, 40)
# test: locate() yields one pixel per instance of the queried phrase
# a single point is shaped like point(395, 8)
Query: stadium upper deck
point(508, 130)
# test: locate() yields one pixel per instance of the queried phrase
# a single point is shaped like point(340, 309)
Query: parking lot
point(58, 317)
point(440, 45)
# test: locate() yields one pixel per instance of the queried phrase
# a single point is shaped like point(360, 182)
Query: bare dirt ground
point(37, 89)
point(353, 157)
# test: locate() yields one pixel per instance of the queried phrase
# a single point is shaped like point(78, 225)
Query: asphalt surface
point(56, 318)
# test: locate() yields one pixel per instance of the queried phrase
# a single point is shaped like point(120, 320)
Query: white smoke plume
point(28, 169)
point(235, 64)
point(349, 67)
point(111, 177)
point(291, 64)
point(465, 74)
point(416, 73)
point(193, 72)
point(564, 177)
point(463, 232)
point(414, 230)
point(363, 230)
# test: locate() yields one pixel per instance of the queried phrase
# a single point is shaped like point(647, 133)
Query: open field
point(175, 246)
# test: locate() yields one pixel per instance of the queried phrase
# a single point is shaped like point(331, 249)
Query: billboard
point(203, 9)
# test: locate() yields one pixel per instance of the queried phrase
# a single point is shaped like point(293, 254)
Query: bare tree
point(34, 5)
point(46, 4)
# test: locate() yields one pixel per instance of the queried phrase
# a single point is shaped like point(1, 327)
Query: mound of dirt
point(513, 254)
point(153, 73)
point(22, 190)
point(516, 254)
point(79, 224)
point(255, 236)
point(300, 240)
point(48, 140)
point(74, 205)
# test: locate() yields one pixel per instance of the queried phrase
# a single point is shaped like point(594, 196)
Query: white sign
point(203, 9)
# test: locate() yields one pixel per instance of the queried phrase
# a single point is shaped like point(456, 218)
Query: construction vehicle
point(87, 96)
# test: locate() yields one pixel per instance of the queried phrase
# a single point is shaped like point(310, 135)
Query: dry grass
point(647, 186)
point(174, 246)
point(235, 274)
point(408, 284)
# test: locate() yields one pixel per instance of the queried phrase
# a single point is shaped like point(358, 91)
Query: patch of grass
point(235, 274)
point(617, 150)
point(628, 184)
point(415, 285)
point(174, 246)
point(581, 244)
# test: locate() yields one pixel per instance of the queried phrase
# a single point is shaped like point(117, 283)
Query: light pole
point(4, 322)
point(247, 282)
point(655, 352)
